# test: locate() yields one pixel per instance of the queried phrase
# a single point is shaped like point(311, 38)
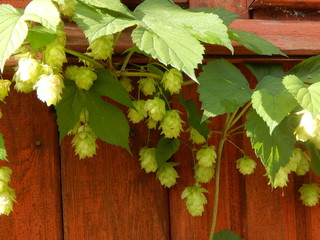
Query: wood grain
point(301, 4)
point(31, 140)
point(110, 197)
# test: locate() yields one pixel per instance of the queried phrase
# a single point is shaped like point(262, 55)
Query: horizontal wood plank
point(302, 4)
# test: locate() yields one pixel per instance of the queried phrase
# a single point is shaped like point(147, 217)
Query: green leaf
point(222, 89)
point(40, 36)
point(308, 96)
point(171, 34)
point(194, 117)
point(43, 12)
point(96, 23)
point(13, 31)
point(69, 108)
point(165, 149)
point(3, 151)
point(107, 121)
point(114, 5)
point(262, 70)
point(226, 235)
point(254, 43)
point(226, 16)
point(169, 44)
point(272, 101)
point(107, 85)
point(274, 149)
point(308, 70)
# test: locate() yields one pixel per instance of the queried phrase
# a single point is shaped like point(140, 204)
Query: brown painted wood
point(240, 6)
point(31, 140)
point(110, 197)
point(16, 3)
point(301, 4)
point(279, 13)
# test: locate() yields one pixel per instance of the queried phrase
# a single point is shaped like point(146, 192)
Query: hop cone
point(83, 76)
point(206, 156)
point(195, 200)
point(148, 159)
point(167, 175)
point(155, 108)
point(309, 194)
point(246, 165)
point(4, 88)
point(171, 124)
point(126, 84)
point(172, 80)
point(84, 142)
point(196, 137)
point(203, 174)
point(147, 85)
point(102, 47)
point(138, 113)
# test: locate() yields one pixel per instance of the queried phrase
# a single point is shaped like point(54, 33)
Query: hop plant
point(195, 200)
point(172, 80)
point(7, 197)
point(303, 164)
point(309, 194)
point(246, 165)
point(281, 179)
point(206, 156)
point(167, 175)
point(84, 142)
point(171, 124)
point(203, 174)
point(126, 84)
point(4, 89)
point(152, 124)
point(5, 174)
point(66, 7)
point(137, 113)
point(28, 70)
point(55, 55)
point(102, 47)
point(148, 159)
point(83, 76)
point(196, 137)
point(49, 88)
point(147, 85)
point(155, 108)
point(294, 159)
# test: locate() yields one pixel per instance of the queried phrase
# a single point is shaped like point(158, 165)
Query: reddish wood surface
point(279, 13)
point(301, 4)
point(110, 197)
point(31, 140)
point(240, 6)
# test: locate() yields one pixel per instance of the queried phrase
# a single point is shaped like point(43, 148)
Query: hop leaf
point(155, 108)
point(203, 174)
point(196, 137)
point(172, 80)
point(137, 114)
point(167, 175)
point(4, 88)
point(195, 200)
point(102, 47)
point(246, 165)
point(126, 83)
point(309, 194)
point(148, 159)
point(147, 85)
point(171, 124)
point(206, 156)
point(66, 7)
point(49, 88)
point(84, 142)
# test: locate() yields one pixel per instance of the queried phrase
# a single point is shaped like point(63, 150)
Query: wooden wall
point(109, 197)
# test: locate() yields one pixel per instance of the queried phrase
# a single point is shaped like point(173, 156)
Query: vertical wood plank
point(237, 6)
point(110, 197)
point(16, 3)
point(31, 140)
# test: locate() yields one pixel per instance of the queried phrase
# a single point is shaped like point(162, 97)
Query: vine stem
point(84, 57)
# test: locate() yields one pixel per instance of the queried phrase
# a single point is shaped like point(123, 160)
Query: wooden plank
point(301, 4)
point(31, 139)
point(16, 3)
point(240, 6)
point(183, 225)
point(279, 13)
point(110, 197)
